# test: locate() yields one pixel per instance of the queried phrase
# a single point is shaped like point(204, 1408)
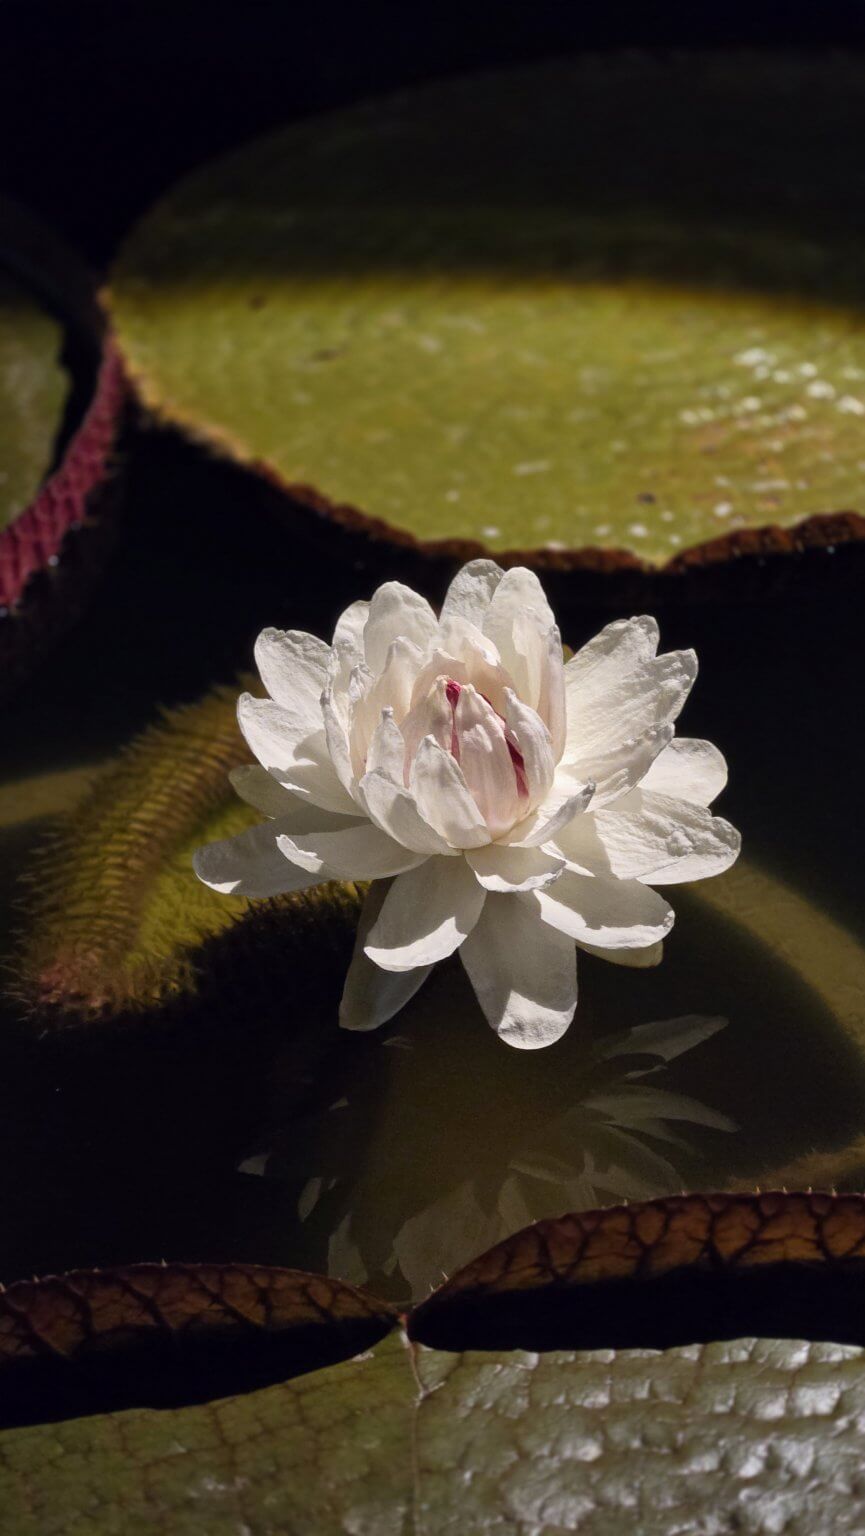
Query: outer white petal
point(485, 760)
point(651, 694)
point(533, 741)
point(336, 737)
point(544, 824)
point(524, 973)
point(611, 914)
point(634, 959)
point(394, 809)
point(371, 996)
point(688, 770)
point(396, 611)
point(612, 683)
point(358, 851)
point(611, 655)
point(426, 915)
point(552, 705)
point(293, 667)
point(622, 766)
point(646, 836)
point(500, 867)
point(348, 634)
point(251, 864)
point(443, 797)
point(260, 789)
point(471, 591)
point(301, 762)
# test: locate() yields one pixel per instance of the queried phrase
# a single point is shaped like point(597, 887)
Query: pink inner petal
point(453, 690)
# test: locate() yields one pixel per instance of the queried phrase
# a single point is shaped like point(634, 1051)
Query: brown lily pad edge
point(743, 564)
point(53, 551)
point(680, 1270)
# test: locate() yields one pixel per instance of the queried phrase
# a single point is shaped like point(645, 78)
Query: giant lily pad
point(33, 391)
point(741, 1434)
point(61, 397)
point(596, 313)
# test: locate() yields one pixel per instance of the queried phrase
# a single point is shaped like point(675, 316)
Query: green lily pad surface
point(33, 391)
point(403, 1440)
point(592, 304)
point(514, 1421)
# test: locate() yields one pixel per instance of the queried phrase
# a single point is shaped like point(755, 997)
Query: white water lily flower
point(503, 803)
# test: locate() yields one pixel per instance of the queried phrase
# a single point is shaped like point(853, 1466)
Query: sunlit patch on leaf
point(682, 349)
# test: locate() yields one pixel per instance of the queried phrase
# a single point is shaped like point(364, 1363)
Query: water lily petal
point(688, 770)
point(460, 637)
point(396, 611)
point(387, 748)
point(532, 739)
point(486, 762)
point(426, 915)
point(618, 690)
point(300, 762)
point(621, 766)
point(644, 833)
point(358, 851)
point(518, 593)
point(501, 867)
point(524, 973)
point(634, 959)
point(251, 864)
point(336, 737)
point(471, 591)
point(395, 810)
point(371, 996)
point(544, 824)
point(260, 789)
point(348, 633)
point(443, 797)
point(611, 914)
point(431, 715)
point(293, 667)
point(392, 689)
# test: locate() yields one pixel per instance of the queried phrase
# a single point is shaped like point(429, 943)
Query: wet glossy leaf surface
point(520, 1443)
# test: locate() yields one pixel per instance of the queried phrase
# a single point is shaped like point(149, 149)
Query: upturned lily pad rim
point(677, 1270)
point(34, 539)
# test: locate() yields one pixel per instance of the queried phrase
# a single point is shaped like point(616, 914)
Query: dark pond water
point(392, 1158)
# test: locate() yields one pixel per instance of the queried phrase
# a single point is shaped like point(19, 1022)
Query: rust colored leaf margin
point(170, 1334)
point(681, 1270)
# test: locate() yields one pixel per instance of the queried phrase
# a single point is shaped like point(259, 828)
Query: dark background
point(129, 1150)
point(103, 104)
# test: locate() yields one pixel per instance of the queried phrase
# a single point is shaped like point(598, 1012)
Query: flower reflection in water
point(411, 1169)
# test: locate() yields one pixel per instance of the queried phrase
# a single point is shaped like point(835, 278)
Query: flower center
point(453, 690)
